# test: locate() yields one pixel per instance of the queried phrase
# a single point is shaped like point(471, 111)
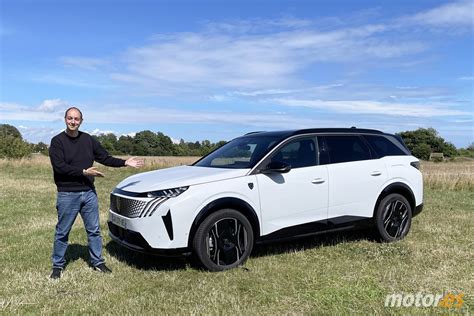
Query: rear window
point(384, 146)
point(345, 148)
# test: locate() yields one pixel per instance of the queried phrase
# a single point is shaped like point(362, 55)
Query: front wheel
point(223, 240)
point(393, 217)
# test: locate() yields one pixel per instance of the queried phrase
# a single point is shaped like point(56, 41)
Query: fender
point(227, 202)
point(397, 187)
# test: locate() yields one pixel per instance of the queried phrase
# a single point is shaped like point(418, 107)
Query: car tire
point(223, 240)
point(393, 218)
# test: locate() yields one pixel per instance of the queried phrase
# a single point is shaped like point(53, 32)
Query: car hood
point(177, 177)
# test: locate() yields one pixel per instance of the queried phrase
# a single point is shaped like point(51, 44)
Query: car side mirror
point(277, 166)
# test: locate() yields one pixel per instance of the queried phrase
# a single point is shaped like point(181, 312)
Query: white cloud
point(373, 107)
point(458, 13)
point(35, 134)
point(267, 61)
point(464, 121)
point(86, 63)
point(10, 106)
point(131, 134)
point(468, 78)
point(52, 104)
point(263, 92)
point(98, 132)
point(262, 54)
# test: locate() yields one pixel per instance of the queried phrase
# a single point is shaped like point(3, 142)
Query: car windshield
point(240, 153)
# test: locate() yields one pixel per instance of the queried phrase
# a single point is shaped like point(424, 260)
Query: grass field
point(330, 274)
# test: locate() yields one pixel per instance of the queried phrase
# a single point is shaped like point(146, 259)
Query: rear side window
point(345, 148)
point(384, 146)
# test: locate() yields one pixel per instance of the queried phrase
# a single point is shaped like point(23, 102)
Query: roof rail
point(254, 132)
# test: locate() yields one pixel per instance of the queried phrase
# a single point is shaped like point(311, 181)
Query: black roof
point(287, 133)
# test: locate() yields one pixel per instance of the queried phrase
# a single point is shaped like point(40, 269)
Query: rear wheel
point(223, 240)
point(393, 217)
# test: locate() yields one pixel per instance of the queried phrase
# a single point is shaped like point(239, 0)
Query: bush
point(14, 147)
point(423, 141)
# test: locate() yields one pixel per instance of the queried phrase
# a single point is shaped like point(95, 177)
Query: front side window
point(298, 153)
point(240, 153)
point(345, 148)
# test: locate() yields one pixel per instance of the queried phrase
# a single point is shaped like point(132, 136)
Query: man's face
point(73, 120)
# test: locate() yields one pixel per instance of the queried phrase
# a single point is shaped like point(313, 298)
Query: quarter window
point(345, 148)
point(384, 147)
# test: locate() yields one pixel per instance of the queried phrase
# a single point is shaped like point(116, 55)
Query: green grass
point(328, 274)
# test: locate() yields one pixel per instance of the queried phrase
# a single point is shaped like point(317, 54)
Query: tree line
point(421, 142)
point(144, 143)
point(148, 143)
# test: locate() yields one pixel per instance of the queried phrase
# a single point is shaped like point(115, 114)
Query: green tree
point(109, 142)
point(423, 141)
point(41, 148)
point(467, 152)
point(145, 143)
point(14, 147)
point(12, 144)
point(421, 151)
point(9, 130)
point(125, 145)
point(164, 145)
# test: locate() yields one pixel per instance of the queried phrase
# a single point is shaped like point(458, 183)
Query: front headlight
point(167, 193)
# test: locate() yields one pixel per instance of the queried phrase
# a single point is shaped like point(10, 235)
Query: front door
point(299, 196)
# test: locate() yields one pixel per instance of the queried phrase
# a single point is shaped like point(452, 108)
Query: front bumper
point(135, 241)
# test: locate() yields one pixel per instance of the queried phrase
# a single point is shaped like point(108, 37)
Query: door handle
point(318, 181)
point(375, 173)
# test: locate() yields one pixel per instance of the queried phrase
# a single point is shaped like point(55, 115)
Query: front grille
point(133, 208)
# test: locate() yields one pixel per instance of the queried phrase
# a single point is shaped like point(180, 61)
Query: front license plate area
point(117, 220)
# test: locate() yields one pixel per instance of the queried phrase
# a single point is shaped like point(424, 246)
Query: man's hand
point(93, 172)
point(134, 162)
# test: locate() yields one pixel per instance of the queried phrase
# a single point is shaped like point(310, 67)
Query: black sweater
point(71, 155)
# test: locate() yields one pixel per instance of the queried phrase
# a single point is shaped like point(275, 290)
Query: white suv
point(269, 186)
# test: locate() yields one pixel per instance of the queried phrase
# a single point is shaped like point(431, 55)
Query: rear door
point(356, 177)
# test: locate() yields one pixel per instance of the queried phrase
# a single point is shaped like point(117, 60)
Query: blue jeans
point(69, 204)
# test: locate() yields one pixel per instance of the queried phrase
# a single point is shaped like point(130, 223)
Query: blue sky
point(217, 69)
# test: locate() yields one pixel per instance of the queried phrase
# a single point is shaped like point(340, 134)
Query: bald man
point(72, 155)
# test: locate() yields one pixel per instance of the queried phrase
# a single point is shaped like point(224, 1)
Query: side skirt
point(319, 227)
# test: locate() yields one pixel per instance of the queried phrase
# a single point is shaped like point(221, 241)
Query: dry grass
point(448, 175)
point(150, 162)
point(457, 175)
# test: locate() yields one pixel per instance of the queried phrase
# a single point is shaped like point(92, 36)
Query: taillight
point(415, 164)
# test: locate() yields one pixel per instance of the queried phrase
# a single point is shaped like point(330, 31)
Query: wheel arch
point(400, 188)
point(228, 202)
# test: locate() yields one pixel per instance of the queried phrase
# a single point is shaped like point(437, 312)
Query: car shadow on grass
point(310, 242)
point(143, 261)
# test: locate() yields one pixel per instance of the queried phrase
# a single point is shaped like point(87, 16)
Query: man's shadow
point(140, 261)
point(75, 252)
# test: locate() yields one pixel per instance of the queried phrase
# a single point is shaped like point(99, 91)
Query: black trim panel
point(127, 193)
point(417, 210)
point(135, 241)
point(394, 188)
point(318, 227)
point(168, 224)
